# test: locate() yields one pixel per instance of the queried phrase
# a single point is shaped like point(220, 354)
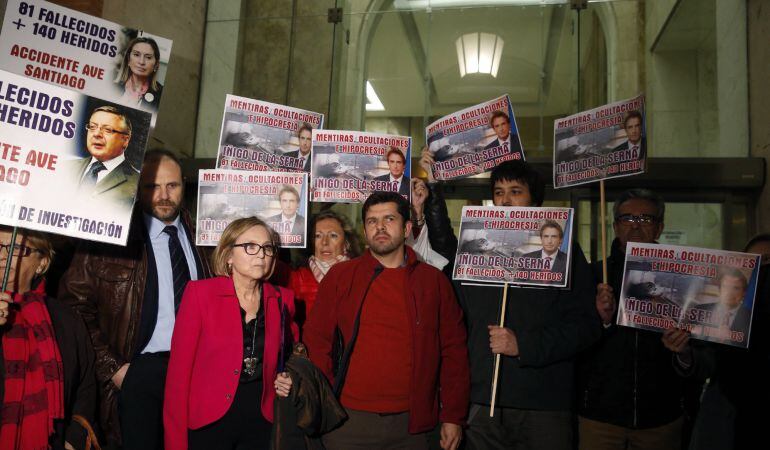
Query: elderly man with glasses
point(629, 394)
point(106, 173)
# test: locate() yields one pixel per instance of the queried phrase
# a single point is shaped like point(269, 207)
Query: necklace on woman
point(250, 363)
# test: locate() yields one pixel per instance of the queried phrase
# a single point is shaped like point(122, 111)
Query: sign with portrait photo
point(605, 142)
point(278, 198)
point(709, 293)
point(519, 245)
point(349, 165)
point(69, 163)
point(262, 136)
point(474, 140)
point(83, 53)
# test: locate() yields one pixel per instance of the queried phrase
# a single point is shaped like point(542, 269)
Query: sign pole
point(603, 225)
point(9, 259)
point(497, 356)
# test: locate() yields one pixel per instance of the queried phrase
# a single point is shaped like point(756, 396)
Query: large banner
point(605, 142)
point(710, 293)
point(349, 165)
point(278, 198)
point(526, 246)
point(263, 136)
point(474, 140)
point(69, 164)
point(84, 53)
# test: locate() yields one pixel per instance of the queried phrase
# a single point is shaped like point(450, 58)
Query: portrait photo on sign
point(109, 149)
point(709, 293)
point(140, 71)
point(505, 245)
point(605, 142)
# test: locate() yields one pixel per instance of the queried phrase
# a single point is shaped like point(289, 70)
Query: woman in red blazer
point(231, 338)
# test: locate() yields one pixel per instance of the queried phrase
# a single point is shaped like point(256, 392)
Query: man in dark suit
point(633, 126)
point(305, 135)
point(501, 123)
point(288, 222)
point(551, 236)
point(128, 297)
point(106, 175)
point(729, 311)
point(396, 165)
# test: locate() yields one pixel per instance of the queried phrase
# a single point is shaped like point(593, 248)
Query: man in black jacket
point(629, 393)
point(544, 330)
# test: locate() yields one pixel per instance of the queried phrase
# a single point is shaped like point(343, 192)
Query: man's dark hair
point(290, 189)
point(497, 114)
point(641, 194)
point(394, 150)
point(117, 112)
point(735, 273)
point(155, 155)
point(517, 170)
point(764, 237)
point(304, 127)
point(631, 115)
point(387, 197)
point(552, 224)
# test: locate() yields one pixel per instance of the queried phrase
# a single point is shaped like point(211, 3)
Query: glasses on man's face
point(641, 219)
point(18, 250)
point(255, 249)
point(104, 129)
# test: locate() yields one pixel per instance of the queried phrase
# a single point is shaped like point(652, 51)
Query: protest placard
point(605, 142)
point(710, 293)
point(87, 54)
point(526, 246)
point(349, 165)
point(69, 163)
point(264, 136)
point(474, 140)
point(278, 198)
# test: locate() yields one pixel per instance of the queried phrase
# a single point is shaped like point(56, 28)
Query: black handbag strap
point(339, 379)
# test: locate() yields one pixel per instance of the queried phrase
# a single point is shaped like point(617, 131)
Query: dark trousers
point(595, 435)
point(140, 403)
point(241, 428)
point(518, 429)
point(372, 431)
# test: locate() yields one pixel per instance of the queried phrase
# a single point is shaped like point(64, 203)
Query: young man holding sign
point(545, 328)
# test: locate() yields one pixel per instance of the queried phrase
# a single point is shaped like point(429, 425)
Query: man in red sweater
point(408, 363)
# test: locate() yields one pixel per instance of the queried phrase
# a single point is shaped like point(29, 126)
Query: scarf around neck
point(34, 376)
point(320, 268)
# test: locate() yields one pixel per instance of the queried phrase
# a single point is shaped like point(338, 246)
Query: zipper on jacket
point(636, 376)
point(416, 311)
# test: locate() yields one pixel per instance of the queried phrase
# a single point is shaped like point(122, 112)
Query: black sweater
point(552, 326)
point(627, 378)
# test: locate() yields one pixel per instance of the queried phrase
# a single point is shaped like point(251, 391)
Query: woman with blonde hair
point(331, 239)
point(233, 334)
point(138, 73)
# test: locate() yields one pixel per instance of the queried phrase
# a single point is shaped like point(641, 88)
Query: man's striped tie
point(179, 269)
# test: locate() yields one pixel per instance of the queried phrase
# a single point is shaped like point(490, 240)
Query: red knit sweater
point(380, 368)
